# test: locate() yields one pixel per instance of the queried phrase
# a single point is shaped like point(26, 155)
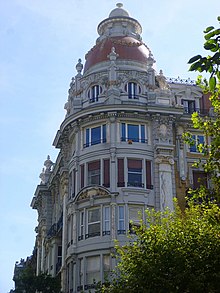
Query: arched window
point(133, 90)
point(94, 93)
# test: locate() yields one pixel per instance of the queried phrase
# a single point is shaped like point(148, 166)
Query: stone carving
point(79, 67)
point(161, 80)
point(92, 192)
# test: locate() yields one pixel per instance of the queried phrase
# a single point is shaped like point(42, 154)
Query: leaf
point(193, 59)
point(208, 29)
point(212, 83)
point(218, 18)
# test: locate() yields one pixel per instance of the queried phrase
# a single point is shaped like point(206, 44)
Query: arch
point(92, 192)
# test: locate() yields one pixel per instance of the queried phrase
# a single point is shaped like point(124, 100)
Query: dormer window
point(94, 93)
point(189, 106)
point(133, 90)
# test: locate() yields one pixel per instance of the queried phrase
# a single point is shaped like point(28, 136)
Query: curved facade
point(121, 152)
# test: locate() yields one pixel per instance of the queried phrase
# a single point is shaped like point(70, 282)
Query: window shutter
point(134, 164)
point(106, 179)
point(95, 165)
point(148, 175)
point(121, 173)
point(82, 175)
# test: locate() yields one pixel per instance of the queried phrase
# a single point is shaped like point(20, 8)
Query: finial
point(119, 5)
point(79, 67)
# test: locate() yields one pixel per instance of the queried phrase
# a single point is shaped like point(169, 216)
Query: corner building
point(121, 152)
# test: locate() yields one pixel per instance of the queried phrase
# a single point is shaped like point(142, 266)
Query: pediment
point(92, 192)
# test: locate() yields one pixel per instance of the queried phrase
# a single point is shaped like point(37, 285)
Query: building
point(121, 152)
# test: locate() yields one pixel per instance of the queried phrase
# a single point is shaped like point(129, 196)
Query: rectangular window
point(199, 178)
point(81, 226)
point(133, 133)
point(106, 221)
point(92, 270)
point(72, 183)
point(197, 139)
point(135, 173)
point(94, 173)
point(82, 175)
point(121, 220)
point(135, 216)
point(80, 274)
point(106, 174)
point(189, 106)
point(121, 182)
point(106, 267)
point(94, 223)
point(95, 135)
point(148, 175)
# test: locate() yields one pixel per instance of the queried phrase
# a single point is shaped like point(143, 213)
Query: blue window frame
point(133, 133)
point(95, 135)
point(197, 139)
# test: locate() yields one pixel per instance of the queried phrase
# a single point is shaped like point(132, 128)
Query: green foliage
point(210, 126)
point(172, 253)
point(28, 282)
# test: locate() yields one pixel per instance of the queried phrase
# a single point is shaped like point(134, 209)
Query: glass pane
point(87, 137)
point(123, 135)
point(94, 228)
point(104, 133)
point(121, 212)
point(94, 215)
point(133, 132)
point(106, 262)
point(96, 135)
point(142, 134)
point(93, 263)
point(93, 277)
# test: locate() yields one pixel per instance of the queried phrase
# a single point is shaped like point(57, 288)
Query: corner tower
point(120, 153)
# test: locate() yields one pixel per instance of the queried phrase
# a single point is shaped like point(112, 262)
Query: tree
point(172, 253)
point(210, 126)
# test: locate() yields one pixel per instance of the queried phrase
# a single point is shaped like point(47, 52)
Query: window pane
point(143, 134)
point(121, 222)
point(123, 135)
point(87, 137)
point(94, 229)
point(94, 215)
point(104, 133)
point(96, 135)
point(133, 132)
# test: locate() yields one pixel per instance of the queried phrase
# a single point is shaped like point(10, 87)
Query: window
point(92, 271)
point(94, 223)
point(72, 183)
point(133, 90)
point(80, 287)
point(121, 220)
point(94, 173)
point(81, 224)
point(121, 182)
point(106, 221)
point(106, 173)
point(197, 139)
point(189, 106)
point(135, 215)
point(95, 135)
point(82, 175)
point(94, 93)
point(106, 266)
point(135, 173)
point(199, 178)
point(148, 175)
point(133, 133)
point(59, 258)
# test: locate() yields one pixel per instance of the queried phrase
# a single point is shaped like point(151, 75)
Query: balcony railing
point(135, 184)
point(189, 111)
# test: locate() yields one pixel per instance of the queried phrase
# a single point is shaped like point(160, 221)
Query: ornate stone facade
point(121, 152)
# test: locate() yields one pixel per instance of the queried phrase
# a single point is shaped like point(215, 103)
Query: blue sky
point(41, 41)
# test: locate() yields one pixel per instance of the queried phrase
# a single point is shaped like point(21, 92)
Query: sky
point(40, 44)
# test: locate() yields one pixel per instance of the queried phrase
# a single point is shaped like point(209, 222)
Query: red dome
point(127, 48)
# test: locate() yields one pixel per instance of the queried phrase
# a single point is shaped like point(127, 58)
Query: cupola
point(122, 32)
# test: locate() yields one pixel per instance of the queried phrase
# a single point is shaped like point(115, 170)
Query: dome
point(119, 11)
point(128, 48)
